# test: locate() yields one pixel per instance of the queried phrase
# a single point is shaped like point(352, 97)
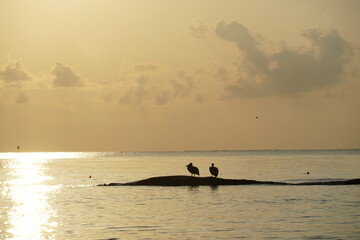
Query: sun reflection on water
point(30, 216)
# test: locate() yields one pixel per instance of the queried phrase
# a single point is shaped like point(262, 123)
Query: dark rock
point(190, 181)
point(212, 181)
point(193, 181)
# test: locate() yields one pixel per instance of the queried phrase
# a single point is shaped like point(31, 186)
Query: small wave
point(315, 180)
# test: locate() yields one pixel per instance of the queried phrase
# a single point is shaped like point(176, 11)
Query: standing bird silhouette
point(214, 170)
point(192, 169)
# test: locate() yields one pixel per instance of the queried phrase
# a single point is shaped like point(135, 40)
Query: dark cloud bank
point(290, 71)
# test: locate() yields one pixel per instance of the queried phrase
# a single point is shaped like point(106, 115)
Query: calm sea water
point(50, 196)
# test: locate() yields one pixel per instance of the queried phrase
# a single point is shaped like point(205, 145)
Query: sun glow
point(30, 215)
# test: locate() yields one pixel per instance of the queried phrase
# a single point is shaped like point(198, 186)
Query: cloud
point(199, 98)
point(136, 94)
point(163, 98)
point(65, 76)
point(13, 74)
point(156, 87)
point(199, 31)
point(184, 86)
point(290, 71)
point(222, 73)
point(146, 67)
point(235, 32)
point(107, 97)
point(181, 87)
point(22, 98)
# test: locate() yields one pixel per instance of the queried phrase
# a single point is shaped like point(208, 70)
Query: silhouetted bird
point(18, 147)
point(214, 170)
point(192, 169)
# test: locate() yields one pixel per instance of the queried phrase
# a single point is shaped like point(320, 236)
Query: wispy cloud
point(22, 98)
point(137, 93)
point(199, 30)
point(146, 67)
point(148, 82)
point(183, 86)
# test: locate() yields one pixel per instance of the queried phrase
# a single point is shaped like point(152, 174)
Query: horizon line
point(194, 150)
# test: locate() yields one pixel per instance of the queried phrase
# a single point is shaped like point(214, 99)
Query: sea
point(55, 195)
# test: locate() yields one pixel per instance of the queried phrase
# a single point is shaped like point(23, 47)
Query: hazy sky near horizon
point(139, 75)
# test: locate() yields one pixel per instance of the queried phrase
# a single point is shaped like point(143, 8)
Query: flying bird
point(18, 147)
point(214, 170)
point(192, 169)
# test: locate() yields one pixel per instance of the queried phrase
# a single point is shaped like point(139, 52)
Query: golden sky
point(137, 75)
